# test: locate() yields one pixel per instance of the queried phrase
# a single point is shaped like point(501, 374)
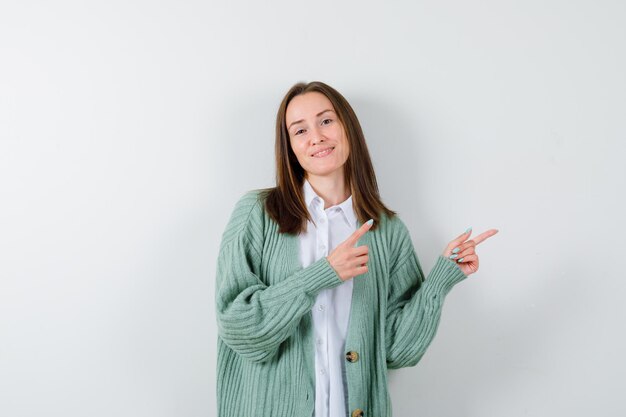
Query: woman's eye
point(298, 131)
point(326, 120)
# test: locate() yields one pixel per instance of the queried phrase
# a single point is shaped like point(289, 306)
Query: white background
point(128, 129)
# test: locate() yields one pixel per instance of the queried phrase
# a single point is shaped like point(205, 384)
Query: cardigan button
point(358, 413)
point(352, 356)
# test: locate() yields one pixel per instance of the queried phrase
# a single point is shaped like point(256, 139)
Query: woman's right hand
point(347, 260)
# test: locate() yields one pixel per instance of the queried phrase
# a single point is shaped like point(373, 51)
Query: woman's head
point(316, 135)
point(312, 117)
point(337, 127)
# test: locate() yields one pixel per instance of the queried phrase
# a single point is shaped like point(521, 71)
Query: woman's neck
point(333, 190)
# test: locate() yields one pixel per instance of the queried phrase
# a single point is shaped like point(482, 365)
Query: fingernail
point(453, 256)
point(455, 250)
point(370, 222)
point(460, 260)
point(468, 229)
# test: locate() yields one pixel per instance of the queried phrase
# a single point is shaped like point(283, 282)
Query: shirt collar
point(346, 207)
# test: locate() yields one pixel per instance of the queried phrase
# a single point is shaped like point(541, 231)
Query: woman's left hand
point(464, 253)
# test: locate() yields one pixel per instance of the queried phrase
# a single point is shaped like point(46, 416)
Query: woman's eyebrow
point(302, 120)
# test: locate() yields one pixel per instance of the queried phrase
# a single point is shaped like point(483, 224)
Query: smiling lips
point(323, 153)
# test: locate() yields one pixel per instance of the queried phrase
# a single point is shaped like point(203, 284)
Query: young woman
point(319, 290)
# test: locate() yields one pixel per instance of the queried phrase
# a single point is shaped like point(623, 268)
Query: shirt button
point(322, 371)
point(320, 341)
point(322, 220)
point(358, 413)
point(352, 356)
point(322, 246)
point(321, 307)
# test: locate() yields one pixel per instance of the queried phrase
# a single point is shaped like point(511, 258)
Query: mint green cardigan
point(263, 297)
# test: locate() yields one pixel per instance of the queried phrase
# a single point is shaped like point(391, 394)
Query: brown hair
point(285, 202)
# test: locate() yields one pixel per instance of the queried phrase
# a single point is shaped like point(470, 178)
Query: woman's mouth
point(323, 153)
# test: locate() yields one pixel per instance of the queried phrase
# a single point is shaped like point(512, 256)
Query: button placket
point(329, 354)
point(322, 232)
point(322, 241)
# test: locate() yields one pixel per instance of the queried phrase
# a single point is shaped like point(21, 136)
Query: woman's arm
point(255, 318)
point(414, 304)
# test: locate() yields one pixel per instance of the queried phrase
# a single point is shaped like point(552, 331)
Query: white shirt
point(331, 310)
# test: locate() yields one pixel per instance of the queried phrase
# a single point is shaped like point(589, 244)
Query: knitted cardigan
point(263, 297)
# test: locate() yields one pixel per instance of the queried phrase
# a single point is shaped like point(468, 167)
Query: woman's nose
point(317, 136)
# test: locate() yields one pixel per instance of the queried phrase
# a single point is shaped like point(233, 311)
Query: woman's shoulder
point(252, 199)
point(247, 214)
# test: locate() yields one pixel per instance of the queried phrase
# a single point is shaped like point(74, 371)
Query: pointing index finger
point(354, 237)
point(485, 235)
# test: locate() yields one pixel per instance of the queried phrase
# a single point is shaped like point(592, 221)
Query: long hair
point(285, 202)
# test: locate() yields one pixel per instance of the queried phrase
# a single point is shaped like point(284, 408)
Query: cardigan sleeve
point(414, 303)
point(254, 318)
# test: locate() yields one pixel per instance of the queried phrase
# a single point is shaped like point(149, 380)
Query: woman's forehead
point(307, 105)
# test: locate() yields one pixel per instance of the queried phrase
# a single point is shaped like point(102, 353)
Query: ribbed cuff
point(444, 275)
point(319, 275)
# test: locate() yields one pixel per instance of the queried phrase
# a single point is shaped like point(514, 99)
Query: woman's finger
point(468, 264)
point(461, 238)
point(467, 258)
point(358, 233)
point(455, 252)
point(484, 236)
point(361, 260)
point(464, 252)
point(459, 244)
point(359, 250)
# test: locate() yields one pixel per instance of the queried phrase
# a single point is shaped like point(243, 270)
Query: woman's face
point(316, 135)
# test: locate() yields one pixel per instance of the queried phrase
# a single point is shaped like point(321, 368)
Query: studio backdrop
point(129, 129)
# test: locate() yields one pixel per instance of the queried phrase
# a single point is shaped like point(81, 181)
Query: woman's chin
point(326, 172)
